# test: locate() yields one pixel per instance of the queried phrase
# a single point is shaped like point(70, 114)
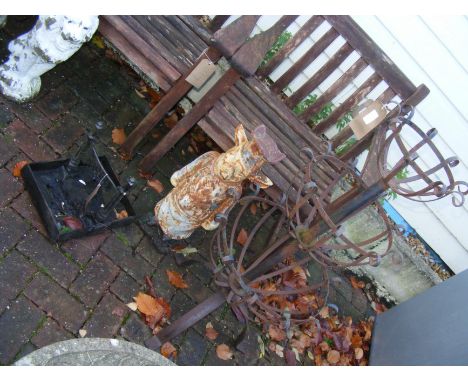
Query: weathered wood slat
point(349, 103)
point(419, 94)
point(177, 53)
point(229, 39)
point(386, 96)
point(268, 114)
point(190, 119)
point(142, 45)
point(221, 116)
point(218, 21)
point(261, 90)
point(186, 32)
point(250, 55)
point(372, 53)
point(133, 55)
point(180, 88)
point(305, 60)
point(306, 30)
point(233, 104)
point(152, 39)
point(275, 172)
point(292, 140)
point(346, 133)
point(197, 27)
point(334, 89)
point(181, 43)
point(312, 83)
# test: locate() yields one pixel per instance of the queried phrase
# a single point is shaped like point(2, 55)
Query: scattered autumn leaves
point(224, 352)
point(210, 332)
point(18, 167)
point(327, 340)
point(176, 280)
point(118, 136)
point(156, 185)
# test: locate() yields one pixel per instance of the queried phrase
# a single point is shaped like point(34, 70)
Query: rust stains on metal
point(213, 182)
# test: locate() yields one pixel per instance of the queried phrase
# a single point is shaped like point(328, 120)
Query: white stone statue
point(52, 40)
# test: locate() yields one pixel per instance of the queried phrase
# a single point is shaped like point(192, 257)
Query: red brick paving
point(48, 292)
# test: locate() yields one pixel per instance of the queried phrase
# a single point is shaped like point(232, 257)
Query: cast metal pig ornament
point(212, 182)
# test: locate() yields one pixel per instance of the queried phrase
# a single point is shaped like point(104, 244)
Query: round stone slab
point(94, 352)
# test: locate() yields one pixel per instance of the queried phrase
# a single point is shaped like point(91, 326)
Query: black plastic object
point(63, 191)
point(429, 329)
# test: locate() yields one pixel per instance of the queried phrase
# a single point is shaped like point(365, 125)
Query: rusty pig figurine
point(210, 184)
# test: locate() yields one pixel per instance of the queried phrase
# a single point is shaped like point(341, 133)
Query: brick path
point(49, 292)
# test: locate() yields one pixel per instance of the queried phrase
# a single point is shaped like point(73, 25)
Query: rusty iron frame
point(309, 234)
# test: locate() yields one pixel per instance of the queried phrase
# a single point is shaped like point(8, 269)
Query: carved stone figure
point(211, 183)
point(52, 40)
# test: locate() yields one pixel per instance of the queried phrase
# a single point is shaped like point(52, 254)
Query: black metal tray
point(33, 175)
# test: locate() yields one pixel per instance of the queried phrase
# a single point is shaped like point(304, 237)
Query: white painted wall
point(432, 50)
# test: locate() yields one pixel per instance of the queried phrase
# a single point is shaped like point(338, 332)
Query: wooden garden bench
point(166, 48)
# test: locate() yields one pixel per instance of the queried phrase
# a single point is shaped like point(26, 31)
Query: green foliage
point(305, 103)
point(64, 230)
point(323, 113)
point(402, 174)
point(282, 39)
point(390, 194)
point(122, 238)
point(345, 146)
point(344, 120)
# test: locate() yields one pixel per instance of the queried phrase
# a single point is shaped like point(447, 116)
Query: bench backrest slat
point(304, 32)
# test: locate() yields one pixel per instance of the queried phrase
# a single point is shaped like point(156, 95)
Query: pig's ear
point(239, 135)
point(261, 180)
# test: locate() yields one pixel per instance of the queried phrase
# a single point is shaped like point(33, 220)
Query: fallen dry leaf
point(171, 120)
point(242, 237)
point(72, 223)
point(82, 332)
point(168, 350)
point(18, 167)
point(186, 250)
point(211, 332)
point(224, 352)
point(118, 136)
point(358, 353)
point(279, 350)
point(276, 333)
point(155, 97)
point(357, 284)
point(98, 41)
point(253, 208)
point(379, 308)
point(139, 94)
point(132, 306)
point(324, 312)
point(333, 356)
point(121, 215)
point(156, 185)
point(148, 305)
point(176, 279)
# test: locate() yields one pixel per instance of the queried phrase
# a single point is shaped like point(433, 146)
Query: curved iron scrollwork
point(304, 226)
point(270, 284)
point(421, 185)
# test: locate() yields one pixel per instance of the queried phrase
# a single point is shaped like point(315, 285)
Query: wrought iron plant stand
point(309, 227)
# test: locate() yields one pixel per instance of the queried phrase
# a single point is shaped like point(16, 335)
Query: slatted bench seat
point(166, 47)
point(162, 48)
